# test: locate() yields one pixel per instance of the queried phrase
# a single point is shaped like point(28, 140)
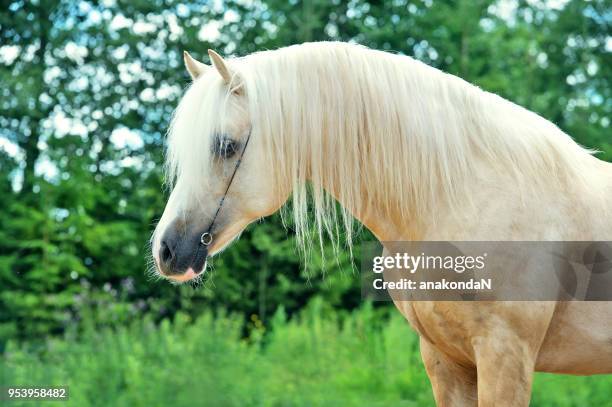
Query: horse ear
point(195, 68)
point(220, 65)
point(225, 72)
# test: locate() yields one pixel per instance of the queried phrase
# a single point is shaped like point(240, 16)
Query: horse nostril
point(166, 254)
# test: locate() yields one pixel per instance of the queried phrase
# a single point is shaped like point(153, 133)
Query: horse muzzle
point(181, 256)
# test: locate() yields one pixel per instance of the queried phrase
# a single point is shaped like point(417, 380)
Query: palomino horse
point(414, 154)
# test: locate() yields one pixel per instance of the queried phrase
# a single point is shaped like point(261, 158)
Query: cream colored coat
point(414, 154)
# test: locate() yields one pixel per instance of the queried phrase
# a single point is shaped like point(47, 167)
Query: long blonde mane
point(373, 129)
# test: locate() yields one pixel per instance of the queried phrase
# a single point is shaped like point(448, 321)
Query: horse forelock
point(189, 138)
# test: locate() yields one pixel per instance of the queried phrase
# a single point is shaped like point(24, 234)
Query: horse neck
point(424, 142)
point(398, 208)
point(446, 218)
point(386, 222)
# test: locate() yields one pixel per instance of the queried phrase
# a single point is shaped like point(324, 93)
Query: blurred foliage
point(369, 357)
point(87, 90)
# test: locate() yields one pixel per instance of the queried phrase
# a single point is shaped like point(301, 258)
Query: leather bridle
point(207, 238)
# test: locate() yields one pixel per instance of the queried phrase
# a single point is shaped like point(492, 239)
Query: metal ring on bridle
point(206, 238)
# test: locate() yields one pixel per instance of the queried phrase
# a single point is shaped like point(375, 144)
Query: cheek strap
point(207, 237)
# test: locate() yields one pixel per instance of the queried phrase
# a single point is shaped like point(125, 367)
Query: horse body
point(414, 154)
point(487, 351)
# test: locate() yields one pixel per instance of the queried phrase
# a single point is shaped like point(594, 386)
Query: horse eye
point(224, 147)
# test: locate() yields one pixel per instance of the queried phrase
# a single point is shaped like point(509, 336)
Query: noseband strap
point(207, 238)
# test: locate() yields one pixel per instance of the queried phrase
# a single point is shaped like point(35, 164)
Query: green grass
point(368, 358)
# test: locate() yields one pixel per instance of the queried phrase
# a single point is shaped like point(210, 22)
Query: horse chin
point(218, 248)
point(224, 239)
